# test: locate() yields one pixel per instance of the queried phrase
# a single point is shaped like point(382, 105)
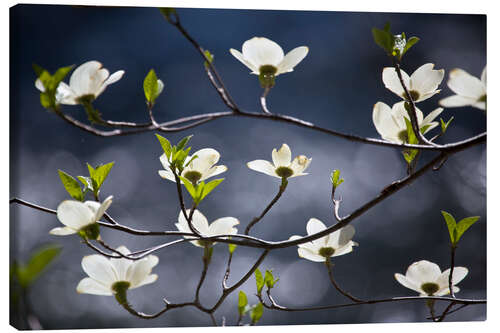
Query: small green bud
point(193, 176)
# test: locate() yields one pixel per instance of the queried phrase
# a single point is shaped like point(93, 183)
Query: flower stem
point(329, 266)
point(452, 267)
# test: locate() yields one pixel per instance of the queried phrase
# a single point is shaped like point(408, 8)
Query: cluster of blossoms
point(266, 59)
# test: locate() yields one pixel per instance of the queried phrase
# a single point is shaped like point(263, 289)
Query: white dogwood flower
point(80, 217)
point(221, 226)
point(88, 80)
point(425, 277)
point(335, 244)
point(200, 168)
point(282, 166)
point(391, 125)
point(421, 85)
point(107, 276)
point(469, 90)
point(266, 58)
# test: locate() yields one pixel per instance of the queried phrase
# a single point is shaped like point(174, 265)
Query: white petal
point(399, 113)
point(64, 94)
point(116, 76)
point(342, 236)
point(344, 249)
point(462, 83)
point(161, 85)
point(480, 105)
point(39, 85)
point(167, 174)
point(309, 255)
point(205, 159)
point(81, 79)
point(423, 271)
point(425, 79)
point(62, 231)
point(199, 221)
point(459, 273)
point(446, 291)
point(164, 161)
point(483, 76)
point(91, 286)
point(407, 282)
point(261, 51)
point(103, 207)
point(384, 122)
point(299, 165)
point(99, 268)
point(291, 59)
point(427, 95)
point(263, 166)
point(214, 171)
point(121, 265)
point(456, 101)
point(147, 280)
point(431, 116)
point(140, 269)
point(97, 82)
point(237, 54)
point(283, 156)
point(223, 226)
point(74, 214)
point(314, 226)
point(391, 80)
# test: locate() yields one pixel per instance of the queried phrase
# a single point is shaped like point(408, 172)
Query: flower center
point(482, 98)
point(90, 231)
point(413, 94)
point(326, 252)
point(284, 172)
point(429, 288)
point(267, 73)
point(403, 135)
point(193, 176)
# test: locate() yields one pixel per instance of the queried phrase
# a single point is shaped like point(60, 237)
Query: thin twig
point(329, 265)
point(452, 268)
point(263, 100)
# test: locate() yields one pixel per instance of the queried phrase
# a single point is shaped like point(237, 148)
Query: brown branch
point(329, 265)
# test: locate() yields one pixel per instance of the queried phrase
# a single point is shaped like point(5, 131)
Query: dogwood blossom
point(107, 276)
point(80, 217)
point(267, 59)
point(88, 81)
point(221, 226)
point(421, 85)
point(335, 244)
point(282, 166)
point(199, 169)
point(425, 277)
point(469, 90)
point(390, 123)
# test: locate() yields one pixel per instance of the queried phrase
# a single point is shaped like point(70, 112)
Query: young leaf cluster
point(457, 229)
point(50, 83)
point(394, 45)
point(92, 183)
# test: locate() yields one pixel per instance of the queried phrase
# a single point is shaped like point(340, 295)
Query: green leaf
point(189, 187)
point(38, 69)
point(209, 187)
point(409, 43)
point(242, 302)
point(256, 313)
point(259, 281)
point(387, 27)
point(28, 273)
point(183, 142)
point(452, 224)
point(465, 224)
point(99, 175)
point(335, 178)
point(444, 126)
point(151, 86)
point(71, 185)
point(269, 279)
point(60, 74)
point(46, 101)
point(424, 128)
point(231, 248)
point(165, 144)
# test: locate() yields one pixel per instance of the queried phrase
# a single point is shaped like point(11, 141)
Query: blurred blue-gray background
point(335, 86)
